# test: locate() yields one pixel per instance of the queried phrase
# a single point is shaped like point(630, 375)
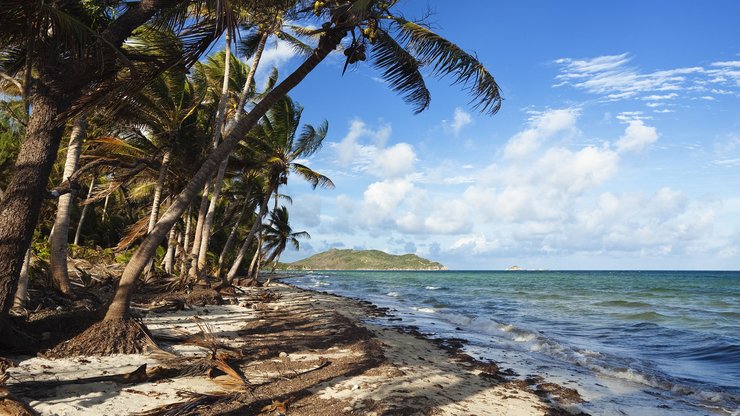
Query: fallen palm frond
point(34, 389)
point(190, 406)
point(167, 305)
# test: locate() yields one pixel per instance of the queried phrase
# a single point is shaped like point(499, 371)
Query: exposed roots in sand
point(115, 336)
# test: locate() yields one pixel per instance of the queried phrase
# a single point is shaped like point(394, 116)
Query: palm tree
point(207, 210)
point(70, 55)
point(278, 234)
point(267, 21)
point(400, 64)
point(278, 144)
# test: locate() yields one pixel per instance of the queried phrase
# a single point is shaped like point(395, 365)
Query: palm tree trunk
point(258, 266)
point(84, 213)
point(20, 207)
point(156, 200)
point(205, 236)
point(119, 307)
point(232, 236)
point(248, 241)
point(105, 207)
point(154, 215)
point(169, 257)
point(186, 241)
point(252, 71)
point(202, 210)
point(252, 271)
point(60, 232)
point(21, 293)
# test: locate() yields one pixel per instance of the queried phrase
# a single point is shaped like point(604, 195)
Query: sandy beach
point(280, 350)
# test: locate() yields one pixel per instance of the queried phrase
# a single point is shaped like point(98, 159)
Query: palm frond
point(311, 139)
point(311, 176)
point(446, 58)
point(247, 45)
point(400, 70)
point(295, 43)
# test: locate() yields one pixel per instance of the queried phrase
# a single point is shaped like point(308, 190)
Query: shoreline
point(306, 350)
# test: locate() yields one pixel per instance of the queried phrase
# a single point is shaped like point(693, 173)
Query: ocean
point(631, 342)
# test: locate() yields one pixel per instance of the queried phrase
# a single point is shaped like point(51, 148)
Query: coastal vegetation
point(336, 259)
point(130, 149)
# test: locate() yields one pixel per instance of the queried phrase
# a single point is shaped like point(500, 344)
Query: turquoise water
point(637, 343)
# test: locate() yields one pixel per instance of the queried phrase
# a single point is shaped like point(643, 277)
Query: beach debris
point(277, 407)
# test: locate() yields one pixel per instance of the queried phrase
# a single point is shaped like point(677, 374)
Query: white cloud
point(731, 64)
point(477, 244)
point(660, 97)
point(394, 161)
point(373, 157)
point(637, 137)
point(275, 55)
point(548, 198)
point(460, 119)
point(542, 127)
point(659, 224)
point(611, 78)
point(628, 116)
point(381, 199)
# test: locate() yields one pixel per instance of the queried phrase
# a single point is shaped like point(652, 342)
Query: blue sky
point(617, 146)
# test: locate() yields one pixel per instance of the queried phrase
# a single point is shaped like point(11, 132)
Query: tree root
point(115, 336)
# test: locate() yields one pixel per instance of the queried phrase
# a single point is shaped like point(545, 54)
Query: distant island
point(336, 259)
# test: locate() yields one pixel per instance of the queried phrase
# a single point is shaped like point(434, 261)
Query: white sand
point(415, 371)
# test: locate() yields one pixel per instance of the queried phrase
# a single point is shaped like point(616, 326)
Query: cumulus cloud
point(394, 161)
point(381, 199)
point(637, 137)
point(460, 119)
point(280, 53)
point(363, 148)
point(546, 198)
point(541, 127)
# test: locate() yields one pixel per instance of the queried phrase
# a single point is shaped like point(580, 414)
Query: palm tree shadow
point(389, 374)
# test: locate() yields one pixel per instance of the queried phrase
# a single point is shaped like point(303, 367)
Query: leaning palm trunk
point(252, 272)
point(60, 232)
point(202, 234)
point(84, 213)
point(21, 294)
point(157, 199)
point(199, 229)
point(205, 236)
point(248, 241)
point(232, 236)
point(119, 308)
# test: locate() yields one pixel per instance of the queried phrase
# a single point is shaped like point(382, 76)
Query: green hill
point(335, 259)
